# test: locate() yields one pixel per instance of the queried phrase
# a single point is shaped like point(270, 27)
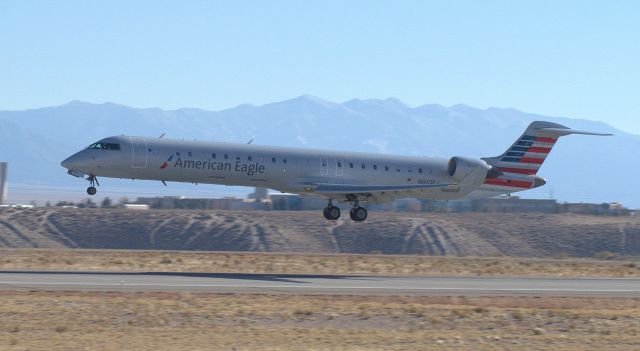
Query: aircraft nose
point(66, 163)
point(70, 162)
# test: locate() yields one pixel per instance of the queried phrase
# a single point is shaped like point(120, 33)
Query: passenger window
point(419, 170)
point(350, 164)
point(189, 154)
point(237, 158)
point(249, 158)
point(386, 168)
point(363, 166)
point(213, 155)
point(410, 169)
point(178, 153)
point(284, 160)
point(226, 157)
point(375, 167)
point(273, 159)
point(339, 164)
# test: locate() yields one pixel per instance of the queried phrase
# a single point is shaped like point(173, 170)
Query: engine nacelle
point(468, 171)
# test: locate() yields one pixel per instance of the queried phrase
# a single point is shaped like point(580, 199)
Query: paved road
point(310, 284)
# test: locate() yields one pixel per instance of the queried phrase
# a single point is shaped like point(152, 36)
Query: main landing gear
point(331, 212)
point(357, 213)
point(93, 181)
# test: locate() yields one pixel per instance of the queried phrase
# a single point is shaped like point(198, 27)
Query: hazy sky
point(564, 58)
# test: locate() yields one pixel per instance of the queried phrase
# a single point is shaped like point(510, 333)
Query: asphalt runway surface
point(318, 284)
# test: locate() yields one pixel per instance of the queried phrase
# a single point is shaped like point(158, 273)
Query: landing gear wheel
point(93, 181)
point(331, 213)
point(358, 214)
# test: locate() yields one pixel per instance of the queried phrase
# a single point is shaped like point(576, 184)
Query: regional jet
point(350, 177)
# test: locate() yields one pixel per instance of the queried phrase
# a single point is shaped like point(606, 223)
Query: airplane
point(349, 177)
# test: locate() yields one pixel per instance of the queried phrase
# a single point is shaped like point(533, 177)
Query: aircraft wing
point(377, 193)
point(364, 189)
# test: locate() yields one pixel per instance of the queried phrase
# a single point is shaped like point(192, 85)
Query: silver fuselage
point(290, 170)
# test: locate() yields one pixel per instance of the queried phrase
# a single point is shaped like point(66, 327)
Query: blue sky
point(563, 58)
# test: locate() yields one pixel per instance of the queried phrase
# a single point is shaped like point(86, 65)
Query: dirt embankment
point(469, 234)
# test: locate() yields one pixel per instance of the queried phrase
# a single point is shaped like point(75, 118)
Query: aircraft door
point(324, 164)
point(139, 146)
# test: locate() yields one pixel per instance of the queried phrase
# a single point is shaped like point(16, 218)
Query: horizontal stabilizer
point(567, 131)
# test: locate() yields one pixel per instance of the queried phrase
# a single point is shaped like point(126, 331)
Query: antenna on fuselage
point(250, 141)
point(161, 136)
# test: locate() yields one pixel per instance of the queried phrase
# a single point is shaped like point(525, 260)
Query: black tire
point(334, 213)
point(92, 190)
point(359, 214)
point(331, 213)
point(325, 213)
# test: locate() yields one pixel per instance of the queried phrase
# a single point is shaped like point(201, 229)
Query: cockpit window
point(104, 146)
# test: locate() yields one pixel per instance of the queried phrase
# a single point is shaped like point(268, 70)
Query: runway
point(310, 284)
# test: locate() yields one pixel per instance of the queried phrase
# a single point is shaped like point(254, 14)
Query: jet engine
point(471, 171)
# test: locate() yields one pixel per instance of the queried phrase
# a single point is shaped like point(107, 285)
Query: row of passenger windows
point(375, 167)
point(324, 162)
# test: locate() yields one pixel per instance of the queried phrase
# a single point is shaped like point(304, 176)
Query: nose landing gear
point(93, 181)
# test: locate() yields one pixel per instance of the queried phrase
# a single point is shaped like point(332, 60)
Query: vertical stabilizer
point(529, 152)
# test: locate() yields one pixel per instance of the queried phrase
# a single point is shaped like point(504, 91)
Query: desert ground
point(41, 320)
point(76, 320)
point(301, 242)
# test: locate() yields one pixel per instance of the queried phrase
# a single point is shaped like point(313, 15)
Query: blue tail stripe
point(517, 154)
point(511, 159)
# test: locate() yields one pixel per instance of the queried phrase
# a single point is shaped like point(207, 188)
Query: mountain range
point(580, 169)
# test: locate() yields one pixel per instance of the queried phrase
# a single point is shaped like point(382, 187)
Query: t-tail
point(517, 168)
